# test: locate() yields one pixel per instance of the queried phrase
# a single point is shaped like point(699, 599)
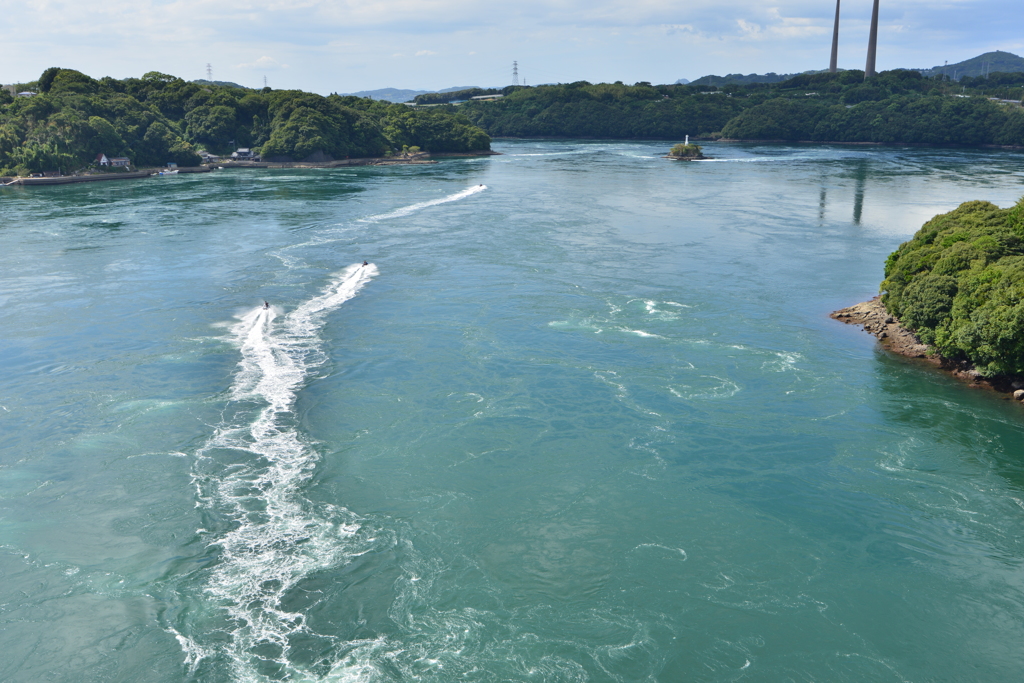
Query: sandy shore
point(873, 317)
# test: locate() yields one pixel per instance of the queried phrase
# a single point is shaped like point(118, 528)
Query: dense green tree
point(106, 139)
point(306, 125)
point(211, 125)
point(780, 118)
point(46, 80)
point(959, 284)
point(432, 129)
point(68, 81)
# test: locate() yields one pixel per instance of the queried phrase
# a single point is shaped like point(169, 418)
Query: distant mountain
point(399, 95)
point(682, 81)
point(990, 62)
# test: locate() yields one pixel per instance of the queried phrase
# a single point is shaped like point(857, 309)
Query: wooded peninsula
point(66, 118)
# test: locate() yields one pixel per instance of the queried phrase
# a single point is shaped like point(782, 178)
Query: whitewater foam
point(276, 537)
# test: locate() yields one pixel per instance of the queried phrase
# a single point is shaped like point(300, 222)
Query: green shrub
point(686, 151)
point(959, 284)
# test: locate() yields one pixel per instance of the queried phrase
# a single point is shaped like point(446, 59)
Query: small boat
point(167, 172)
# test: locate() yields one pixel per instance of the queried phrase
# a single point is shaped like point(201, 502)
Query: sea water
point(581, 417)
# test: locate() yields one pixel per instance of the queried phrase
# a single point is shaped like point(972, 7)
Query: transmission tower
point(209, 71)
point(515, 73)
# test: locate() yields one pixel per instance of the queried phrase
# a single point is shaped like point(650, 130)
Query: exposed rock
point(894, 337)
point(876, 320)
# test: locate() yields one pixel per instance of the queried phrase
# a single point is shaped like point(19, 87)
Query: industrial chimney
point(869, 70)
point(835, 43)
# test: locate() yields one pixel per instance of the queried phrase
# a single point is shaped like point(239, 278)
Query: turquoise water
point(583, 417)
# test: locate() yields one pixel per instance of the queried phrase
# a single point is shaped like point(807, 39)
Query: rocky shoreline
point(876, 320)
point(700, 158)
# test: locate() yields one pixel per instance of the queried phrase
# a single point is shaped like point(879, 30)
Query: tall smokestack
point(869, 70)
point(835, 43)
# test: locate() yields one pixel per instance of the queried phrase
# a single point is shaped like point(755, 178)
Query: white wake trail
point(252, 471)
point(413, 208)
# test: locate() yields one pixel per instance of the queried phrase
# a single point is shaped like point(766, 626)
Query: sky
point(344, 46)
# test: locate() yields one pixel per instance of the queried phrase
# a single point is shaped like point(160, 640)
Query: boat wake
point(413, 208)
point(249, 477)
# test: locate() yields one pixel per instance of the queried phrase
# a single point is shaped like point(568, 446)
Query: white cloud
point(425, 53)
point(672, 29)
point(748, 29)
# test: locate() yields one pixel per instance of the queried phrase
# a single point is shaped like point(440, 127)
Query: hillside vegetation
point(893, 107)
point(959, 284)
point(160, 118)
point(606, 110)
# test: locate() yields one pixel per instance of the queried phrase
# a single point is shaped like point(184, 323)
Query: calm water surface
point(582, 418)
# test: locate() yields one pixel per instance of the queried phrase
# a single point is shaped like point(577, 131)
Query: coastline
point(412, 159)
point(337, 163)
point(422, 158)
point(873, 317)
point(696, 138)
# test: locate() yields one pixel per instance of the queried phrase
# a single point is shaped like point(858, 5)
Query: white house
point(103, 160)
point(244, 154)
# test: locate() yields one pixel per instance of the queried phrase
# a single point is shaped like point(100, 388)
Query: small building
point(103, 160)
point(244, 154)
point(26, 93)
point(171, 164)
point(485, 98)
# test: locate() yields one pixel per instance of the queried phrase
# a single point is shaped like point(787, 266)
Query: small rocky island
point(954, 296)
point(684, 151)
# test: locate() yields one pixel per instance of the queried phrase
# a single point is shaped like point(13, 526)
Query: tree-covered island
point(158, 118)
point(958, 287)
point(686, 151)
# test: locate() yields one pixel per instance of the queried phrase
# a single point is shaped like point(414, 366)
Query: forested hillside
point(606, 110)
point(160, 118)
point(893, 107)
